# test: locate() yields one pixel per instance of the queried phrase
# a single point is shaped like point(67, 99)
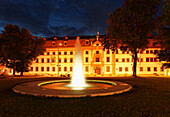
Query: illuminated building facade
point(59, 58)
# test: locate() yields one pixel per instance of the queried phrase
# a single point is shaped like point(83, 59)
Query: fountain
point(77, 87)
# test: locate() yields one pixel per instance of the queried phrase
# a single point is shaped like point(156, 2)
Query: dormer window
point(87, 42)
point(53, 43)
point(65, 43)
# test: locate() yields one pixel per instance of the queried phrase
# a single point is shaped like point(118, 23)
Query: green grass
point(150, 97)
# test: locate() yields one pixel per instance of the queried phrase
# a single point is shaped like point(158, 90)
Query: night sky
point(58, 17)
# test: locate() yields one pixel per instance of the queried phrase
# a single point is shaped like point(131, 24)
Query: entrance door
point(98, 71)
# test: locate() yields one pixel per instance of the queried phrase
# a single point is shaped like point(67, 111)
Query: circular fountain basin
point(61, 88)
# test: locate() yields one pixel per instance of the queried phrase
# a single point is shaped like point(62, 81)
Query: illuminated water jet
point(78, 80)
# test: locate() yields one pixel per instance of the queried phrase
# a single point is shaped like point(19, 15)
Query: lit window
point(120, 69)
point(87, 52)
point(126, 69)
point(123, 60)
point(148, 69)
point(53, 69)
point(42, 60)
point(48, 69)
point(107, 68)
point(71, 68)
point(71, 60)
point(108, 51)
point(141, 69)
point(65, 60)
point(97, 59)
point(42, 68)
point(108, 59)
point(147, 59)
point(87, 68)
point(87, 42)
point(36, 68)
point(155, 69)
point(117, 60)
point(65, 68)
point(53, 60)
point(87, 59)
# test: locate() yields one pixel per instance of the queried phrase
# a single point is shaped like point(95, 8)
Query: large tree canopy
point(20, 48)
point(130, 25)
point(163, 31)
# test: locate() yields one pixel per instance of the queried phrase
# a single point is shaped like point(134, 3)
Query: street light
point(58, 57)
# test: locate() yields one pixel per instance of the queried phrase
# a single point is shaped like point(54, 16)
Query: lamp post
point(58, 57)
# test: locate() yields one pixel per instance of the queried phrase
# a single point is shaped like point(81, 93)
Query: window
point(65, 43)
point(117, 52)
point(127, 52)
point(36, 68)
point(53, 53)
point(141, 69)
point(123, 52)
point(151, 59)
point(48, 69)
point(126, 69)
point(148, 69)
point(42, 60)
point(108, 51)
point(53, 69)
point(65, 68)
point(117, 60)
point(87, 59)
point(87, 52)
point(87, 68)
point(127, 59)
point(59, 53)
point(53, 60)
point(48, 53)
point(141, 60)
point(53, 43)
point(123, 60)
point(31, 69)
point(71, 60)
point(141, 52)
point(71, 69)
point(36, 60)
point(151, 51)
point(155, 60)
point(162, 68)
point(65, 60)
point(97, 52)
point(59, 60)
point(48, 60)
point(97, 59)
point(42, 68)
point(65, 53)
point(59, 68)
point(155, 69)
point(71, 53)
point(108, 59)
point(147, 51)
point(107, 68)
point(147, 59)
point(87, 42)
point(120, 69)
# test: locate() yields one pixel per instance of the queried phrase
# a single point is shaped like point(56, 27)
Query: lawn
point(150, 97)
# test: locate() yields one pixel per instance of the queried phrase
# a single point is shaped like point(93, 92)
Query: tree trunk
point(135, 64)
point(21, 73)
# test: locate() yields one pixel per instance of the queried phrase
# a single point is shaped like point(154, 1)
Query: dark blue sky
point(58, 17)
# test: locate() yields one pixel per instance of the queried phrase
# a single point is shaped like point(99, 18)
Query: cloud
point(58, 17)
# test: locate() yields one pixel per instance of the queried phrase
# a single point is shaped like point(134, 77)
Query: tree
point(130, 25)
point(163, 31)
point(20, 49)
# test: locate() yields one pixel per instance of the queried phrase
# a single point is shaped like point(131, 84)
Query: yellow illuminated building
point(59, 57)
